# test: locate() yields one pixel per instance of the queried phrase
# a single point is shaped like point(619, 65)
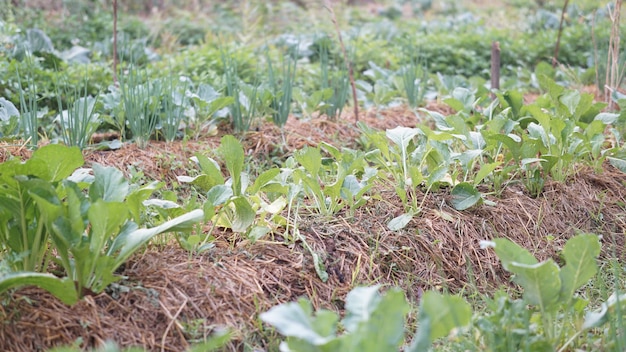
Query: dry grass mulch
point(170, 297)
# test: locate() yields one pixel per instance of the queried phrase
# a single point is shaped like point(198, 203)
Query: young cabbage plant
point(207, 106)
point(373, 322)
point(417, 158)
point(9, 118)
point(332, 183)
point(549, 293)
point(92, 234)
point(23, 231)
point(236, 203)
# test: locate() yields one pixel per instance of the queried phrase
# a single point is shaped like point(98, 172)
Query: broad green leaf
point(509, 252)
point(438, 315)
point(106, 220)
point(400, 222)
point(382, 328)
point(136, 197)
point(211, 169)
point(464, 196)
point(515, 100)
point(137, 238)
point(7, 110)
point(109, 184)
point(512, 145)
point(263, 180)
point(467, 157)
point(580, 255)
point(244, 214)
point(530, 161)
point(541, 283)
point(350, 187)
point(61, 288)
point(360, 303)
point(291, 320)
point(320, 270)
point(402, 136)
point(204, 182)
point(233, 155)
point(618, 163)
point(311, 159)
point(437, 175)
point(161, 203)
point(607, 118)
point(257, 232)
point(484, 171)
point(548, 84)
point(570, 99)
point(213, 343)
point(60, 161)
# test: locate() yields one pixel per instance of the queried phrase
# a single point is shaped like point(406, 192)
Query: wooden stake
point(495, 67)
point(555, 58)
point(115, 42)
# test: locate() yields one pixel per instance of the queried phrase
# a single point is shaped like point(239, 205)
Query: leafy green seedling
point(373, 322)
point(551, 290)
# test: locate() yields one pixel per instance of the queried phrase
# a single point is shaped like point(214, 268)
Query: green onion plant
point(77, 119)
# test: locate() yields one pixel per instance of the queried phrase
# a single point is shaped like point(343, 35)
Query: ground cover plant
point(220, 193)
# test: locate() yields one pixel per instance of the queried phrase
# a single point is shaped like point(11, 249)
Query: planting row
point(49, 95)
point(486, 143)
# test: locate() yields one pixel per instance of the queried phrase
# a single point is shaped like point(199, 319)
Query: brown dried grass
point(167, 290)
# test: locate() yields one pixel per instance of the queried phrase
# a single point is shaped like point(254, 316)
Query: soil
point(169, 297)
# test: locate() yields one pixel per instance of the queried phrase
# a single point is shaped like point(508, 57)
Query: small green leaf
point(600, 317)
point(210, 168)
point(258, 232)
point(263, 180)
point(293, 321)
point(484, 171)
point(580, 255)
point(400, 222)
point(244, 214)
point(541, 283)
point(360, 303)
point(233, 155)
point(618, 163)
point(213, 343)
point(606, 118)
point(439, 314)
point(464, 196)
point(109, 184)
point(219, 195)
point(510, 252)
point(311, 159)
point(60, 161)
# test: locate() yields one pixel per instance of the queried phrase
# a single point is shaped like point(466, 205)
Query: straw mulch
point(170, 298)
